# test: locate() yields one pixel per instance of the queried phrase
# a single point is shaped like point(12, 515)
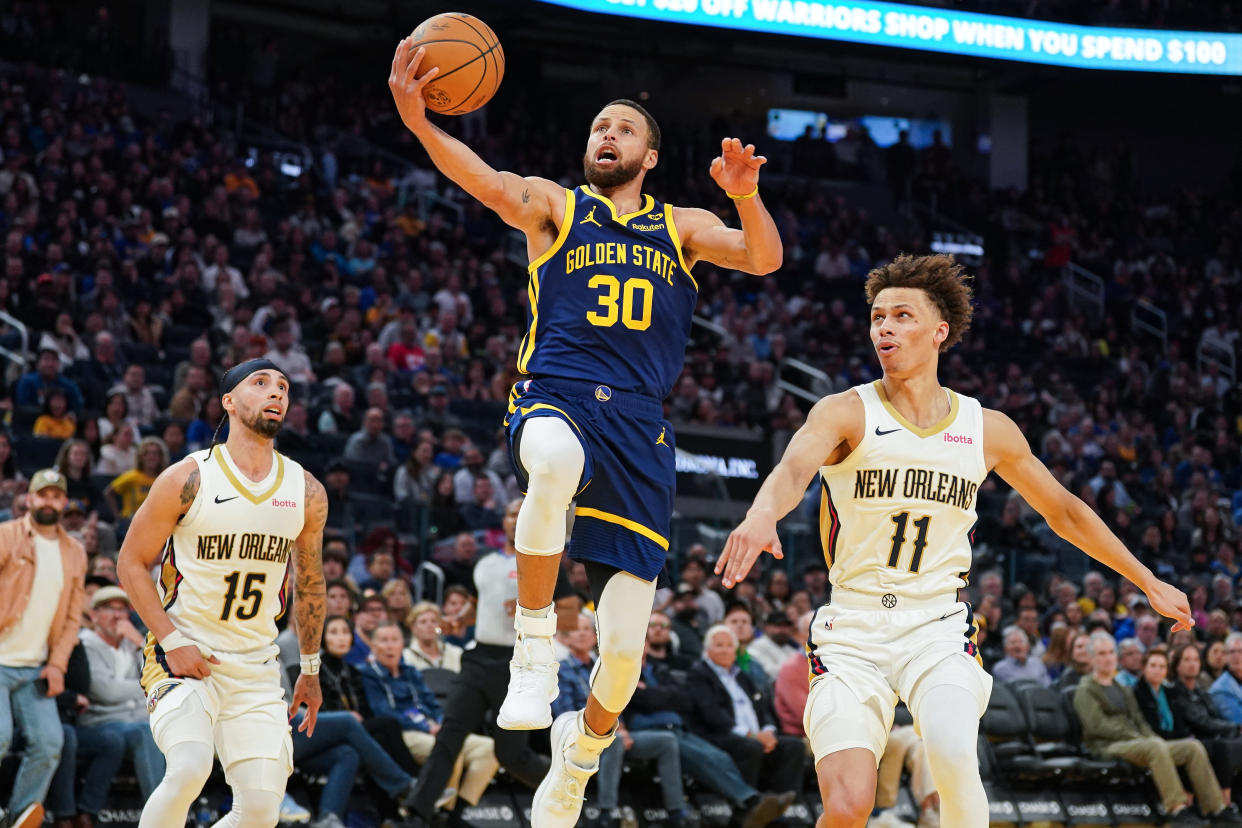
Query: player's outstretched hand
point(736, 169)
point(1171, 602)
point(306, 692)
point(406, 87)
point(188, 661)
point(745, 544)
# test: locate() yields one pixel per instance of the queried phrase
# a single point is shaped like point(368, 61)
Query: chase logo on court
point(159, 693)
point(889, 600)
point(603, 393)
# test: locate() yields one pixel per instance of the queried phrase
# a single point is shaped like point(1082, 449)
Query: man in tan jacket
point(1113, 727)
point(42, 571)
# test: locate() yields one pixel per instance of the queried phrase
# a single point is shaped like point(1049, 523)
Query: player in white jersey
point(901, 461)
point(229, 525)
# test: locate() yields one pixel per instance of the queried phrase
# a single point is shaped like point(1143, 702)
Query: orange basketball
point(470, 58)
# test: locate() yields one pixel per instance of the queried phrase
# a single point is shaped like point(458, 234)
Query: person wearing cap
point(228, 525)
point(42, 571)
point(33, 387)
point(776, 646)
point(115, 724)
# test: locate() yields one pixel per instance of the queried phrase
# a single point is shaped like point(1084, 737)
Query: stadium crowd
point(144, 256)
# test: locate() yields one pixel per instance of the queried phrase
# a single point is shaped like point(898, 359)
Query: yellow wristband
point(751, 194)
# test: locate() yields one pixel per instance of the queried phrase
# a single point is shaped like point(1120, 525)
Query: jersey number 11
point(899, 539)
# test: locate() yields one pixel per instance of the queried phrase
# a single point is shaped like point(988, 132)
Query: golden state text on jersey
point(611, 300)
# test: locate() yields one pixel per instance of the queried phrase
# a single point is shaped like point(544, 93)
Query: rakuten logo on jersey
point(284, 504)
point(959, 438)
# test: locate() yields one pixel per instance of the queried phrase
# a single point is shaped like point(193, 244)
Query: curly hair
point(940, 277)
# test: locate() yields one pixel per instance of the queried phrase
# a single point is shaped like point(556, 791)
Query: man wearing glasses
point(660, 648)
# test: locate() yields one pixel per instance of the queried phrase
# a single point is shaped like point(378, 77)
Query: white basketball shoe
point(532, 675)
point(575, 758)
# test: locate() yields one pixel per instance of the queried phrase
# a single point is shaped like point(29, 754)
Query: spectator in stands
point(133, 485)
point(119, 453)
point(428, 649)
point(398, 600)
point(33, 387)
point(340, 598)
point(404, 437)
point(56, 421)
point(202, 431)
point(66, 341)
point(1130, 658)
point(371, 445)
point(396, 689)
point(1079, 662)
point(444, 516)
point(104, 369)
point(739, 619)
point(143, 410)
point(776, 646)
point(115, 725)
point(472, 466)
point(710, 605)
point(372, 611)
point(416, 477)
point(1193, 705)
point(288, 357)
point(336, 560)
point(1017, 663)
point(381, 567)
point(574, 679)
point(10, 478)
point(191, 395)
point(484, 510)
point(730, 712)
point(459, 570)
point(658, 647)
point(1113, 727)
point(1147, 631)
point(1214, 661)
point(340, 417)
point(1028, 621)
point(815, 582)
point(1227, 689)
point(458, 614)
point(200, 356)
point(685, 620)
point(39, 623)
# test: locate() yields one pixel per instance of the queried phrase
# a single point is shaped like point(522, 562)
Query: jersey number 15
point(250, 592)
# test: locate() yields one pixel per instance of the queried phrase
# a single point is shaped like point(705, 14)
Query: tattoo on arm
point(190, 490)
point(309, 593)
point(526, 196)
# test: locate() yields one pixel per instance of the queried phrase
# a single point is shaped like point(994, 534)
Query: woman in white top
point(118, 453)
point(428, 649)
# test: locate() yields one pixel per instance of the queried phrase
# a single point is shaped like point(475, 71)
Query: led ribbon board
point(950, 32)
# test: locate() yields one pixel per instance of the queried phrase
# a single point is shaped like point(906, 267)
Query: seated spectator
point(381, 568)
point(657, 648)
point(132, 486)
point(190, 396)
point(1193, 705)
point(143, 410)
point(115, 724)
point(336, 560)
point(372, 612)
point(661, 703)
point(61, 802)
point(791, 688)
point(444, 517)
point(340, 598)
point(458, 615)
point(1227, 689)
point(685, 619)
point(33, 387)
point(1017, 663)
point(485, 510)
point(472, 466)
point(416, 477)
point(173, 436)
point(710, 605)
point(428, 649)
point(340, 511)
point(1114, 727)
point(574, 679)
point(777, 644)
point(730, 712)
point(340, 417)
point(459, 571)
point(1079, 662)
point(738, 618)
point(371, 445)
point(289, 358)
point(398, 600)
point(396, 689)
point(210, 425)
point(1130, 659)
point(119, 454)
point(56, 421)
point(11, 481)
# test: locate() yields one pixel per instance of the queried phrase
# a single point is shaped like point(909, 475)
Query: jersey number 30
point(250, 592)
point(899, 539)
point(635, 309)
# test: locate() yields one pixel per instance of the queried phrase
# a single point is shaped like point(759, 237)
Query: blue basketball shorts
point(624, 506)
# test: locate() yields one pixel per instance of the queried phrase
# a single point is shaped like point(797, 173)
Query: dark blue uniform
point(610, 309)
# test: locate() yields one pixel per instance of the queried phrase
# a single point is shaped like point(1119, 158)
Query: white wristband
point(310, 663)
point(176, 639)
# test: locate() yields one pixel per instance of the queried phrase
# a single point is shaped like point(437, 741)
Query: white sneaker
point(532, 676)
point(888, 818)
point(328, 821)
point(558, 800)
point(291, 811)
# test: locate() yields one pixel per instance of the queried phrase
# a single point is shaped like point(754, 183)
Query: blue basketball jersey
point(611, 300)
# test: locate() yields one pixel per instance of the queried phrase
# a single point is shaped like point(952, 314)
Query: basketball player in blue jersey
point(611, 299)
point(228, 526)
point(901, 461)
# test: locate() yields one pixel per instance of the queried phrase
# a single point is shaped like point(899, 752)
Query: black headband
point(234, 376)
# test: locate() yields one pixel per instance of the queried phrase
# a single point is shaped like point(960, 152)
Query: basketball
point(471, 61)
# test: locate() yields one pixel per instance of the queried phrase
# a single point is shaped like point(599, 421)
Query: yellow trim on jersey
point(527, 348)
point(828, 522)
point(609, 517)
point(676, 237)
point(246, 493)
point(152, 671)
point(169, 575)
point(648, 203)
point(547, 406)
point(932, 430)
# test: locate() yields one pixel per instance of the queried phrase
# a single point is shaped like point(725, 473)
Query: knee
point(189, 772)
point(847, 808)
point(260, 809)
point(49, 747)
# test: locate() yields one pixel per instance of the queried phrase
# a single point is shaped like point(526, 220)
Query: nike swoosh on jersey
point(951, 614)
point(879, 433)
point(227, 499)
